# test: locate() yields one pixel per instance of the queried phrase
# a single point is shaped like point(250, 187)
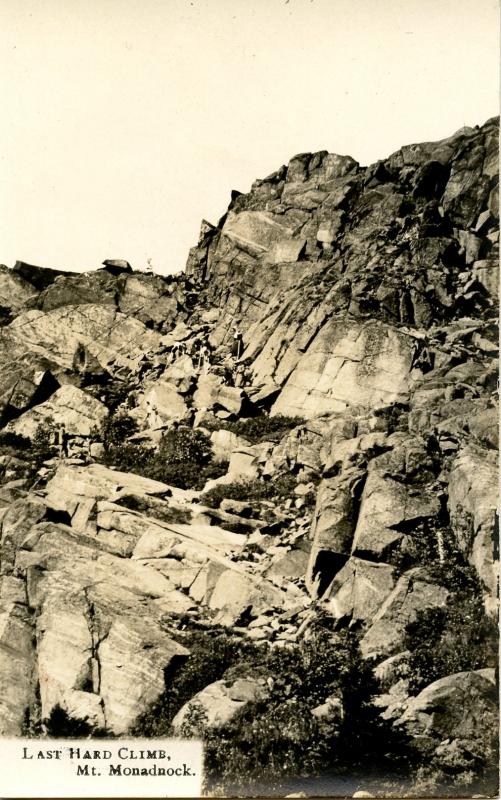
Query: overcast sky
point(125, 122)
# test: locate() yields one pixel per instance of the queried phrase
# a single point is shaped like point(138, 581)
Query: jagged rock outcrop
point(348, 316)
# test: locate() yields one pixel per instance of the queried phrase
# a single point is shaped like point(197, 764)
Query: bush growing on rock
point(443, 641)
point(25, 457)
point(12, 443)
point(116, 428)
point(272, 738)
point(281, 487)
point(259, 429)
point(269, 741)
point(43, 443)
point(264, 428)
point(211, 654)
point(183, 458)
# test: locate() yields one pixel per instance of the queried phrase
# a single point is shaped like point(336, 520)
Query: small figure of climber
point(62, 441)
point(178, 349)
point(238, 376)
point(424, 360)
point(205, 358)
point(238, 344)
point(242, 374)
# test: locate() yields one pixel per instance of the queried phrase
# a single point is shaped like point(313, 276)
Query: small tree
point(116, 428)
point(182, 456)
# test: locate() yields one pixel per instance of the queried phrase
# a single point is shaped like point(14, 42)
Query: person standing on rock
point(238, 376)
point(62, 441)
point(242, 374)
point(203, 359)
point(238, 343)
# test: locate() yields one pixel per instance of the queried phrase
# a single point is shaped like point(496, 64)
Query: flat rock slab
point(348, 363)
point(96, 480)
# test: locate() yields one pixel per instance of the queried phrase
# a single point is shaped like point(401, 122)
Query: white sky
point(125, 122)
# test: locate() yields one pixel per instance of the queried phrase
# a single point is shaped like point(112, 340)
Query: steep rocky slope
point(334, 336)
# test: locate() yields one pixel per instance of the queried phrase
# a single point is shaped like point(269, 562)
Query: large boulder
point(389, 509)
point(456, 717)
point(15, 291)
point(147, 297)
point(17, 656)
point(217, 704)
point(99, 482)
point(333, 526)
point(79, 412)
point(114, 339)
point(180, 374)
point(359, 590)
point(80, 288)
point(212, 393)
point(256, 231)
point(101, 649)
point(225, 443)
point(162, 404)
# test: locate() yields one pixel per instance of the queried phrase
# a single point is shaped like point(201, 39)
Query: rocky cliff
point(331, 352)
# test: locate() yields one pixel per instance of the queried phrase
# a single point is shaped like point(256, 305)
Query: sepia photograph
point(249, 268)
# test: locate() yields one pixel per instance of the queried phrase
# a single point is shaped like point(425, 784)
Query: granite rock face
point(334, 337)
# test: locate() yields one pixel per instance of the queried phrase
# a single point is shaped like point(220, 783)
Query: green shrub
point(279, 488)
point(43, 443)
point(264, 428)
point(27, 455)
point(182, 455)
point(183, 458)
point(456, 638)
point(116, 428)
point(278, 736)
point(59, 725)
point(211, 654)
point(129, 457)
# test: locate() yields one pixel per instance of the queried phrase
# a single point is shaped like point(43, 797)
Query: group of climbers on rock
point(235, 372)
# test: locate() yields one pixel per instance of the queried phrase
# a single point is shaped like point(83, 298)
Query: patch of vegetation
point(13, 443)
point(116, 428)
point(183, 459)
point(128, 457)
point(43, 444)
point(27, 455)
point(456, 638)
point(173, 514)
point(43, 447)
point(59, 725)
point(113, 393)
point(212, 652)
point(277, 737)
point(263, 428)
point(279, 488)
